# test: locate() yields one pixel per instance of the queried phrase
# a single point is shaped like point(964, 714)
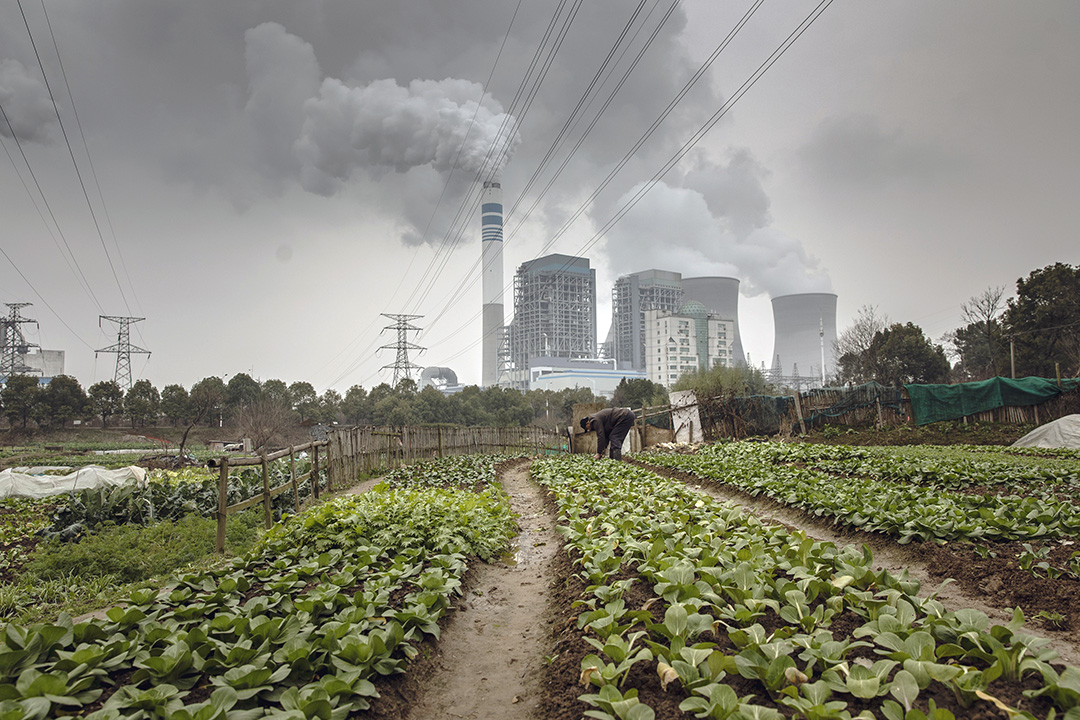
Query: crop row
point(331, 600)
point(739, 605)
point(908, 511)
point(942, 467)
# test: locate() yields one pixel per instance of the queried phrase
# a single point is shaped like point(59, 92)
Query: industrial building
point(805, 338)
point(554, 315)
point(691, 339)
point(720, 296)
point(633, 295)
point(599, 376)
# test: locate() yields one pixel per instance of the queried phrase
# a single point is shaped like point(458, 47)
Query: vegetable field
point(606, 590)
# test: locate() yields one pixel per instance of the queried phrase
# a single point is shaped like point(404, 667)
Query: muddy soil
point(489, 659)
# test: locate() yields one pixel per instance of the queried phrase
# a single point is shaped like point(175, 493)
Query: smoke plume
point(334, 131)
point(26, 104)
point(720, 228)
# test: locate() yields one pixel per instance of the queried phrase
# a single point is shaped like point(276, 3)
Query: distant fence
point(348, 453)
point(861, 405)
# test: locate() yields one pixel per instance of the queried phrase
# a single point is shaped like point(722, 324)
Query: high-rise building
point(554, 312)
point(719, 295)
point(691, 339)
point(491, 235)
point(632, 296)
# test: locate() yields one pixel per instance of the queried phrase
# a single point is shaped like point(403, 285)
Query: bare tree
point(264, 420)
point(853, 345)
point(979, 341)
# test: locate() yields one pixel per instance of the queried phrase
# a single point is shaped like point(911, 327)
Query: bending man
point(610, 426)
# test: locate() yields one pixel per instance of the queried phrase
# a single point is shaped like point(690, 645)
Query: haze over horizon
point(266, 179)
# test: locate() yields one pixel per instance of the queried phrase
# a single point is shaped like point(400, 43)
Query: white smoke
point(673, 228)
point(330, 131)
point(26, 104)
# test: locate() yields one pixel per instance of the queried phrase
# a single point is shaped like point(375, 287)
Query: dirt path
point(888, 555)
point(490, 655)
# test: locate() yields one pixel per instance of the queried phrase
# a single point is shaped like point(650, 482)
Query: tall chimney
point(491, 234)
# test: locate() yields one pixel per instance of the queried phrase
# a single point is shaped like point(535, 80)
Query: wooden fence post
point(330, 457)
point(315, 470)
point(223, 500)
point(268, 519)
point(292, 475)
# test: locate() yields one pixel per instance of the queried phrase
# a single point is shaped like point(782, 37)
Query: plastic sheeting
point(1061, 433)
point(15, 484)
point(931, 403)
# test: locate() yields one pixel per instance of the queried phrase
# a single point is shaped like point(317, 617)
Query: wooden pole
point(315, 471)
point(268, 519)
point(223, 502)
point(292, 476)
point(1012, 357)
point(798, 413)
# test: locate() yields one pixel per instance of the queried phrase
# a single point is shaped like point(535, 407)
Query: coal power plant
point(491, 236)
point(719, 295)
point(805, 335)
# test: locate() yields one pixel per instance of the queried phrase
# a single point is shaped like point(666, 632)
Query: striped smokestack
point(491, 233)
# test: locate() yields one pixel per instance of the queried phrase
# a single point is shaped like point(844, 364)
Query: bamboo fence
point(350, 453)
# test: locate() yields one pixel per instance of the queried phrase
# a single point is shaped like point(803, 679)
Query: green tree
point(241, 390)
point(902, 354)
point(204, 401)
point(304, 399)
point(106, 399)
point(1043, 321)
point(355, 405)
point(639, 393)
point(979, 344)
point(328, 409)
point(175, 403)
point(721, 381)
point(276, 391)
point(62, 400)
point(20, 396)
point(433, 407)
point(141, 403)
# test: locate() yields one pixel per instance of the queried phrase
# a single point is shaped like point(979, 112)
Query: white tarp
point(685, 417)
point(1061, 433)
point(15, 484)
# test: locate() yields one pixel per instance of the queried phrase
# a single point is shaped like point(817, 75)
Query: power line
point(42, 298)
point(71, 153)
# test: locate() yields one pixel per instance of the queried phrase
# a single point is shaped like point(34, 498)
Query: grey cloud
point(26, 104)
point(856, 149)
point(674, 229)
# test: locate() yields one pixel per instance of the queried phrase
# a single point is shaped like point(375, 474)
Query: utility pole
point(14, 342)
point(123, 349)
point(401, 365)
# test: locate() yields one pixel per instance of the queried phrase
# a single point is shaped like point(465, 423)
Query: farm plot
point(687, 605)
point(305, 626)
point(1006, 527)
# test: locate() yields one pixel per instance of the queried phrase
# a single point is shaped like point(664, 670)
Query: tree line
point(264, 409)
point(1034, 333)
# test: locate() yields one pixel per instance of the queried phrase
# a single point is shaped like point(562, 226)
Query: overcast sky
point(267, 178)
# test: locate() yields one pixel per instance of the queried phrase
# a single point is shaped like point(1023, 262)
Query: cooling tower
point(491, 234)
point(719, 295)
point(799, 321)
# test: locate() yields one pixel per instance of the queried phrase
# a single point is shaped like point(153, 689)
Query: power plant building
point(554, 315)
point(632, 296)
point(805, 327)
point(691, 339)
point(720, 296)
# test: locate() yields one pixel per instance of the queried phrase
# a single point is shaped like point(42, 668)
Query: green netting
point(932, 403)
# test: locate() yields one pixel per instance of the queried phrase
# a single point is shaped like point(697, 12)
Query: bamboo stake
point(292, 477)
point(223, 499)
point(268, 519)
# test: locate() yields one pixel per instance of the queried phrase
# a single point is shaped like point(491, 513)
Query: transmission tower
point(401, 366)
point(14, 342)
point(123, 349)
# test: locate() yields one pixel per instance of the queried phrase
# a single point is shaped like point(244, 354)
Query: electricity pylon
point(401, 366)
point(14, 343)
point(123, 349)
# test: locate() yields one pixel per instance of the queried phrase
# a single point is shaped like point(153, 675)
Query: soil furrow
point(915, 558)
point(488, 661)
